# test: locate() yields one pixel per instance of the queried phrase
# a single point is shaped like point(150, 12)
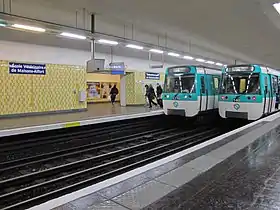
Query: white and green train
point(248, 91)
point(190, 90)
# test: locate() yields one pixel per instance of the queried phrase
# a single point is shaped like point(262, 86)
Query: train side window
point(202, 85)
point(265, 85)
point(274, 84)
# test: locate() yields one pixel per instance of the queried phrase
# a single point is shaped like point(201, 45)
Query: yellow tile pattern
point(130, 88)
point(57, 90)
point(140, 88)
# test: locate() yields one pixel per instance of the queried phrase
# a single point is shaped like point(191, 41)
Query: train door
point(274, 91)
point(203, 94)
point(266, 94)
point(215, 90)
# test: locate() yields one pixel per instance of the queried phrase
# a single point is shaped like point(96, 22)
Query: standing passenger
point(159, 92)
point(277, 101)
point(114, 92)
point(146, 95)
point(151, 95)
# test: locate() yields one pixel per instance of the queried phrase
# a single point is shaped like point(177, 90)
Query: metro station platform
point(237, 170)
point(95, 111)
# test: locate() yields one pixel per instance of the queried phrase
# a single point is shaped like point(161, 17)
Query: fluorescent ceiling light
point(188, 57)
point(29, 28)
point(135, 46)
point(156, 51)
point(74, 36)
point(200, 60)
point(210, 62)
point(104, 41)
point(219, 64)
point(277, 7)
point(173, 54)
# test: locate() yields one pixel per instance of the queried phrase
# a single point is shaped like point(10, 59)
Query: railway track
point(60, 139)
point(30, 180)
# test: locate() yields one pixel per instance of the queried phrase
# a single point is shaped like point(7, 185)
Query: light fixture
point(173, 54)
point(277, 7)
point(105, 41)
point(210, 62)
point(135, 46)
point(200, 60)
point(29, 28)
point(219, 64)
point(3, 25)
point(188, 57)
point(156, 51)
point(74, 36)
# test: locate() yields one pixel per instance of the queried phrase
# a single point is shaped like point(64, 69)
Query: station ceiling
point(250, 27)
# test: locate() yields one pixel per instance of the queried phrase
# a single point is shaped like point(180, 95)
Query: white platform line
point(38, 128)
point(109, 182)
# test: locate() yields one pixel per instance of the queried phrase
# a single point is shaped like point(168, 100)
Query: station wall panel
point(58, 90)
point(130, 88)
point(135, 87)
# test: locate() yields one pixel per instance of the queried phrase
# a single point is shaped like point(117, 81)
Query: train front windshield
point(180, 83)
point(245, 83)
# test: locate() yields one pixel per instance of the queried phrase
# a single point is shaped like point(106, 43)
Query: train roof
point(247, 64)
point(197, 66)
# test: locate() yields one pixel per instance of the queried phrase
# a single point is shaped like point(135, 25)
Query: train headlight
point(254, 98)
point(167, 96)
point(186, 96)
point(223, 98)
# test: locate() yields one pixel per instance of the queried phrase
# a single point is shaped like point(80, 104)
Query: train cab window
point(188, 84)
point(172, 84)
point(180, 84)
point(240, 84)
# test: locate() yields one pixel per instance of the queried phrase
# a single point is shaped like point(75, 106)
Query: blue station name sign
point(25, 68)
point(152, 75)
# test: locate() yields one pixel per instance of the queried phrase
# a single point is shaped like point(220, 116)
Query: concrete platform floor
point(94, 111)
point(249, 179)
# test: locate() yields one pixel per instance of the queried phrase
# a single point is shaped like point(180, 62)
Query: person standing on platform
point(151, 95)
point(159, 92)
point(277, 101)
point(114, 92)
point(146, 95)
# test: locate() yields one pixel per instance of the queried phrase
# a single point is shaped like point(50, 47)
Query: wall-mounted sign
point(152, 75)
point(117, 67)
point(26, 68)
point(156, 66)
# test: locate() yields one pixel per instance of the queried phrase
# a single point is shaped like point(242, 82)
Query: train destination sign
point(179, 69)
point(240, 68)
